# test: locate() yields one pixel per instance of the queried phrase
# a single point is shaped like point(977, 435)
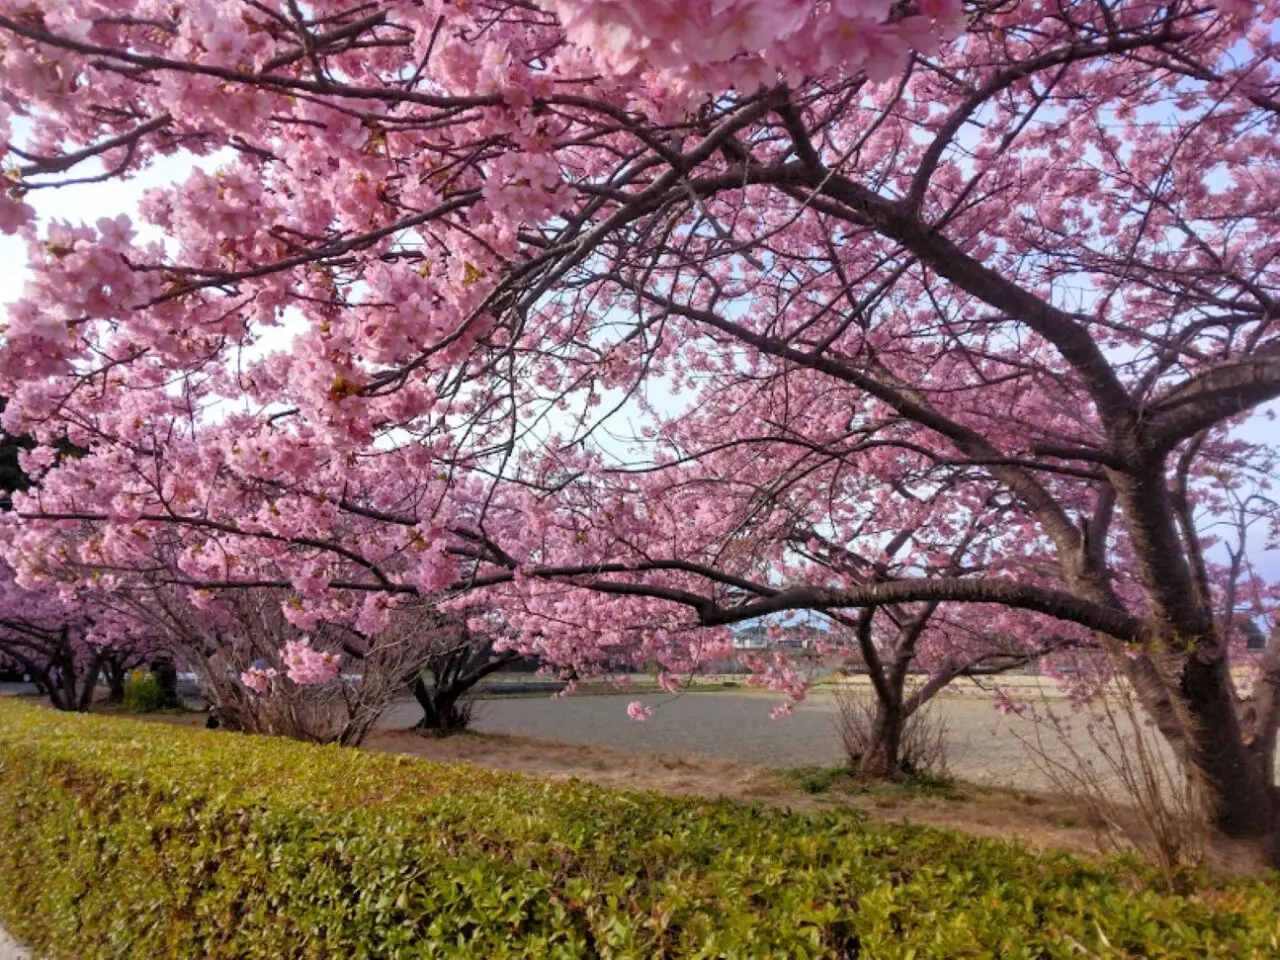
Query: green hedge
point(120, 838)
point(143, 693)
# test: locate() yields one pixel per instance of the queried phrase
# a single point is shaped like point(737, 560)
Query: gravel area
point(10, 949)
point(982, 744)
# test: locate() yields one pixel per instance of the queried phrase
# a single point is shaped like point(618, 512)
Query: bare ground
point(704, 760)
point(1040, 821)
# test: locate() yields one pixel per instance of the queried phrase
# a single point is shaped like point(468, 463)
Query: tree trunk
point(1239, 793)
point(442, 713)
point(1187, 690)
point(89, 685)
point(50, 684)
point(166, 675)
point(115, 682)
point(1189, 694)
point(882, 760)
point(445, 707)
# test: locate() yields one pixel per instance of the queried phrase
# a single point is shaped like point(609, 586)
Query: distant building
point(752, 638)
point(758, 637)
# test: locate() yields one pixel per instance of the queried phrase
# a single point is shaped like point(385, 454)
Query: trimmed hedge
point(120, 838)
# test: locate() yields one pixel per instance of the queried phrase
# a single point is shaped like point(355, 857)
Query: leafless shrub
point(876, 749)
point(1122, 775)
point(378, 669)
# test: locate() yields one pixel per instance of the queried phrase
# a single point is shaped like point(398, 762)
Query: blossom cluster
point(710, 43)
point(307, 666)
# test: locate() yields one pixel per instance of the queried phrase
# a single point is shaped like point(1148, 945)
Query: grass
point(841, 780)
point(120, 710)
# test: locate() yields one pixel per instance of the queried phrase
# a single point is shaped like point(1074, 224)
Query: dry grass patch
point(1038, 821)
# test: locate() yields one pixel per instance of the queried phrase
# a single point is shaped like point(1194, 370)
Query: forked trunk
point(443, 713)
point(883, 757)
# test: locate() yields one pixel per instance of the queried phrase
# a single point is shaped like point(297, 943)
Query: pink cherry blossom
point(650, 321)
point(306, 665)
point(258, 679)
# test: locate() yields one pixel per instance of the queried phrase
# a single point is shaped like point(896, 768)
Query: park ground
point(724, 743)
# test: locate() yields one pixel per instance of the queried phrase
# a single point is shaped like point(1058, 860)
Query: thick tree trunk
point(115, 683)
point(89, 686)
point(50, 684)
point(442, 712)
point(882, 760)
point(1191, 700)
point(166, 675)
point(445, 707)
point(1189, 694)
point(1239, 792)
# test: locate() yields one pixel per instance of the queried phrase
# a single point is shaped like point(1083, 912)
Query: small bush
point(344, 709)
point(120, 838)
point(143, 693)
point(819, 779)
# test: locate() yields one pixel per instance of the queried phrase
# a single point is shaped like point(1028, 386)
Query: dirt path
point(724, 743)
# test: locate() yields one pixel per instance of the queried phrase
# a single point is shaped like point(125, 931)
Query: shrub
point(128, 839)
point(1122, 774)
point(922, 746)
point(378, 667)
point(143, 693)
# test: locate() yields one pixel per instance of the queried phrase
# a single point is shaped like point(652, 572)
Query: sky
point(89, 202)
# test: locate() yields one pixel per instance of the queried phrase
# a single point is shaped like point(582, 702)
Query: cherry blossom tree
point(939, 643)
point(67, 646)
point(260, 673)
point(1031, 270)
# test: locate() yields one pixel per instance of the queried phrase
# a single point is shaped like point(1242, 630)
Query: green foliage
point(120, 838)
point(929, 783)
point(143, 693)
point(817, 779)
point(841, 779)
point(12, 478)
